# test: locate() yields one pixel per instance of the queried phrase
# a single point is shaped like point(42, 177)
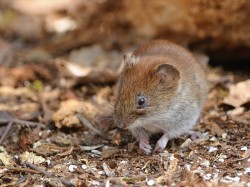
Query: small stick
point(89, 125)
point(50, 146)
point(40, 170)
point(7, 129)
point(240, 159)
point(22, 122)
point(19, 169)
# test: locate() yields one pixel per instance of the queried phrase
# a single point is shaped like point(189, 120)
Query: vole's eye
point(141, 102)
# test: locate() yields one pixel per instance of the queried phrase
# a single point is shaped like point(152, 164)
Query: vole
point(161, 89)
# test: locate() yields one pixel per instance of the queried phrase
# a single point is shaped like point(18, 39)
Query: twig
point(144, 167)
point(19, 169)
point(7, 129)
point(136, 177)
point(40, 170)
point(51, 146)
point(22, 122)
point(90, 126)
point(240, 159)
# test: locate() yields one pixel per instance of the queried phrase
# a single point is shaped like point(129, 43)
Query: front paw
point(159, 147)
point(161, 144)
point(145, 147)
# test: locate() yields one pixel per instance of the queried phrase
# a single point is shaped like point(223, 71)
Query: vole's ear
point(130, 59)
point(166, 73)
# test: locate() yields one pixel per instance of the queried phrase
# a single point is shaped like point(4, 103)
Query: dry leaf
point(109, 153)
point(238, 94)
point(215, 129)
point(236, 112)
point(6, 159)
point(66, 115)
point(186, 143)
point(31, 157)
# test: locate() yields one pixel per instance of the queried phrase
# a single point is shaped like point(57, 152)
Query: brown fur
point(171, 80)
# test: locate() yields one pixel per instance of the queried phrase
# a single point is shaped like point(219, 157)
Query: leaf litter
point(82, 155)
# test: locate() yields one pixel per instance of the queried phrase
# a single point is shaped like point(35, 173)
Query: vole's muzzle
point(121, 125)
point(121, 122)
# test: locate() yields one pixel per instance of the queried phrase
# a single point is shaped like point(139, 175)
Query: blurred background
point(43, 29)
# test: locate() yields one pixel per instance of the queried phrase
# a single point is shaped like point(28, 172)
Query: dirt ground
point(56, 127)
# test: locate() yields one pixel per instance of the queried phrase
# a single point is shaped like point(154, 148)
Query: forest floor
point(56, 130)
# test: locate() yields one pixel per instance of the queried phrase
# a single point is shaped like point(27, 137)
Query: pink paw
point(158, 148)
point(161, 144)
point(145, 147)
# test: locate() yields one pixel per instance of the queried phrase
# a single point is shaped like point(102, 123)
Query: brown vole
point(161, 89)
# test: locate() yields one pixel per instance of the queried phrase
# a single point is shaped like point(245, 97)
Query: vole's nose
point(120, 125)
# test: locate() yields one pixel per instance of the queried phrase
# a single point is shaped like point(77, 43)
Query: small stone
point(207, 176)
point(48, 162)
point(171, 157)
point(213, 139)
point(95, 183)
point(243, 148)
point(212, 149)
point(84, 166)
point(150, 182)
point(221, 160)
point(40, 134)
point(188, 167)
point(72, 168)
point(123, 162)
point(101, 172)
point(247, 170)
point(224, 135)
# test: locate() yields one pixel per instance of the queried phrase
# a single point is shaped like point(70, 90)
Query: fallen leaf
point(6, 159)
point(186, 143)
point(236, 111)
point(62, 140)
point(109, 153)
point(216, 130)
point(31, 157)
point(238, 94)
point(66, 115)
point(66, 153)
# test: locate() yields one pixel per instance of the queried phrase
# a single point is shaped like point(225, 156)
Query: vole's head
point(145, 87)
